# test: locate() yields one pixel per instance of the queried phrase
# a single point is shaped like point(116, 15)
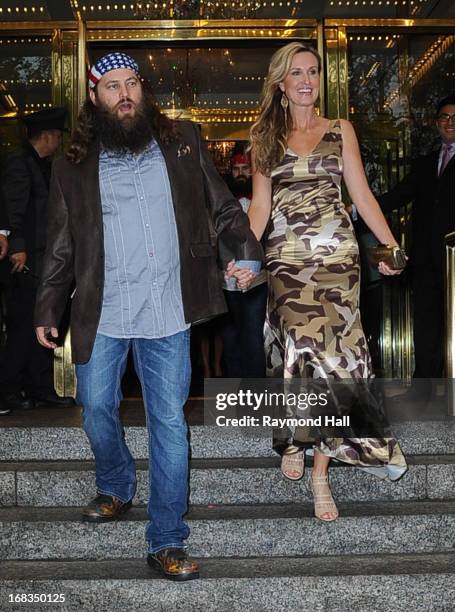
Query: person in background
point(26, 377)
point(242, 328)
point(430, 186)
point(4, 233)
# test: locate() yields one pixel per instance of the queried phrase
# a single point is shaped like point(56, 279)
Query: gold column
point(64, 90)
point(450, 321)
point(81, 62)
point(337, 95)
point(320, 47)
point(56, 62)
point(343, 74)
point(64, 371)
point(64, 71)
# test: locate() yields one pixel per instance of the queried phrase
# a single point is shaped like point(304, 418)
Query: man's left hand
point(3, 246)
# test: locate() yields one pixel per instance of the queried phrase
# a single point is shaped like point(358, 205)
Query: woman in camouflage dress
point(313, 325)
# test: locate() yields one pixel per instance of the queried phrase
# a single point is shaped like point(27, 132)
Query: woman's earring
point(284, 104)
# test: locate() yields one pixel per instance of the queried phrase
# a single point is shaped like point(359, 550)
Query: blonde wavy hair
point(269, 133)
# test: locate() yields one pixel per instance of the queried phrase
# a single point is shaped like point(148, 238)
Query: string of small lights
point(31, 108)
point(9, 10)
point(189, 8)
point(365, 38)
point(421, 66)
point(22, 41)
point(348, 3)
point(24, 81)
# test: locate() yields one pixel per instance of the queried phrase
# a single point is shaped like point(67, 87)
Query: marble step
point(227, 481)
point(41, 443)
point(392, 583)
point(237, 531)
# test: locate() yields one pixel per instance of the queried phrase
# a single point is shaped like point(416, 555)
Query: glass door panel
point(395, 81)
point(25, 83)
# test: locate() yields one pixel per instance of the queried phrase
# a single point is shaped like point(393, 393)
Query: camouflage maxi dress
point(313, 325)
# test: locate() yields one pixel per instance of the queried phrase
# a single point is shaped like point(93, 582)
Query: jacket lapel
point(449, 166)
point(174, 172)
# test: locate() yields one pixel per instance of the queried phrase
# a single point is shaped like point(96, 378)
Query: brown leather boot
point(105, 508)
point(174, 564)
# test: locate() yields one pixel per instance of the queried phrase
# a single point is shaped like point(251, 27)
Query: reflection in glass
point(395, 82)
point(25, 83)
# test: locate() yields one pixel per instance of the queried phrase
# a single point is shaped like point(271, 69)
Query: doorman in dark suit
point(26, 377)
point(129, 216)
point(431, 187)
point(4, 233)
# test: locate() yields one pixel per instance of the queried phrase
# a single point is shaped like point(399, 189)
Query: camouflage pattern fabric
point(313, 326)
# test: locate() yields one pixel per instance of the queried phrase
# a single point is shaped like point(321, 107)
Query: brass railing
point(64, 371)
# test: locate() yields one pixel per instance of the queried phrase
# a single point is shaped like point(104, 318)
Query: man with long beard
point(128, 222)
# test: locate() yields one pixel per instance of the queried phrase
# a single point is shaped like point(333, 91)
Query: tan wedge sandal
point(293, 462)
point(323, 500)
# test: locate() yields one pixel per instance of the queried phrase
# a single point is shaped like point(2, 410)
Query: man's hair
point(85, 132)
point(445, 102)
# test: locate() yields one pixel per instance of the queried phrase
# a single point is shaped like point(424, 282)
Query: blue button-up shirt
point(142, 291)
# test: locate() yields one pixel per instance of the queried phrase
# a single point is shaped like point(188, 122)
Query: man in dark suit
point(431, 187)
point(26, 378)
point(128, 221)
point(4, 233)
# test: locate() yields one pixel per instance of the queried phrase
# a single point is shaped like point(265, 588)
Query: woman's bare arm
point(359, 190)
point(261, 204)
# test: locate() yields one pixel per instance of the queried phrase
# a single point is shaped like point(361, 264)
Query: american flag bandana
point(108, 62)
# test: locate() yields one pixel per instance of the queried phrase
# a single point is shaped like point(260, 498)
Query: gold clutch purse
point(394, 257)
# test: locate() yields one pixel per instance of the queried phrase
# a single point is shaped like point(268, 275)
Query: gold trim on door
point(337, 103)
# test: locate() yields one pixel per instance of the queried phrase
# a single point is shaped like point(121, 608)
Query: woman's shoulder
point(336, 123)
point(345, 129)
point(346, 126)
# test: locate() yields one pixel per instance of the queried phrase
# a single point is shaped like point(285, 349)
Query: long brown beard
point(132, 134)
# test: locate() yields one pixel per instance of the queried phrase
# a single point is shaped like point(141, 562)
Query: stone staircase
point(259, 545)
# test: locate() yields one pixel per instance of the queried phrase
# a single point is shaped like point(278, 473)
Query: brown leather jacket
point(75, 250)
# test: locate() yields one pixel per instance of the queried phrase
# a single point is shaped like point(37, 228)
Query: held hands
point(243, 276)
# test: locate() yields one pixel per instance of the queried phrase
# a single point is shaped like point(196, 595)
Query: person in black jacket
point(26, 377)
point(4, 232)
point(431, 187)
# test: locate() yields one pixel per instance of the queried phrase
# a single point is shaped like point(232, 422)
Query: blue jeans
point(164, 370)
